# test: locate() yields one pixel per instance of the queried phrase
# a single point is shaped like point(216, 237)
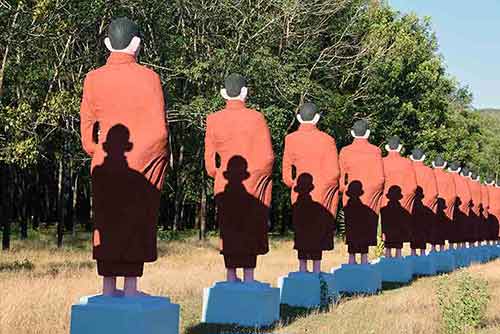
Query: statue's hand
point(96, 238)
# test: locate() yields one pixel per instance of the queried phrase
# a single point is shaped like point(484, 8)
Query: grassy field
point(39, 283)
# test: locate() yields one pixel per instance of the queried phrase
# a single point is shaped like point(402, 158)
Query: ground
point(39, 283)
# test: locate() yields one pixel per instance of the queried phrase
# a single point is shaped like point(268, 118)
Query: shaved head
point(308, 111)
point(233, 84)
point(121, 31)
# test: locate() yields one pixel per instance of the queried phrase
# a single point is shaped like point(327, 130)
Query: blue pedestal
point(475, 255)
point(487, 254)
point(394, 270)
point(304, 289)
point(445, 261)
point(300, 289)
point(243, 304)
point(495, 251)
point(422, 265)
point(462, 257)
point(357, 279)
point(124, 315)
point(333, 293)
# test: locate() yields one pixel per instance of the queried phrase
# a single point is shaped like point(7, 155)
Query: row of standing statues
point(124, 130)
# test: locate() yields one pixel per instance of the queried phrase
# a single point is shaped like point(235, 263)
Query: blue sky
point(469, 37)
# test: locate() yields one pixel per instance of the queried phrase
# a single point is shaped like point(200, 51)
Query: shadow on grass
point(288, 315)
point(226, 329)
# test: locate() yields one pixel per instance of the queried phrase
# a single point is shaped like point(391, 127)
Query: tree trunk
point(73, 206)
point(6, 207)
point(203, 212)
point(60, 204)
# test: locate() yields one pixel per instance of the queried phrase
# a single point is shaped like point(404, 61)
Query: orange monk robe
point(396, 211)
point(362, 185)
point(311, 151)
point(424, 220)
point(462, 208)
point(494, 211)
point(237, 132)
point(447, 196)
point(485, 230)
point(126, 178)
point(475, 210)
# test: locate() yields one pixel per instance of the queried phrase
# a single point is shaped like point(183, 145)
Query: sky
point(469, 40)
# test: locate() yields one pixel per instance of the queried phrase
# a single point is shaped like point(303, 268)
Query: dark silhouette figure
point(242, 218)
point(442, 227)
point(314, 225)
point(460, 222)
point(424, 225)
point(360, 220)
point(126, 206)
point(396, 219)
point(473, 226)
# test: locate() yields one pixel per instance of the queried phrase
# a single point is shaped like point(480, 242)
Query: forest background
point(353, 58)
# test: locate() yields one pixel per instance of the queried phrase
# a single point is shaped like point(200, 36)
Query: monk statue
point(485, 230)
point(397, 204)
point(362, 189)
point(462, 204)
point(124, 101)
point(487, 199)
point(239, 156)
point(475, 210)
point(311, 170)
point(493, 210)
point(425, 227)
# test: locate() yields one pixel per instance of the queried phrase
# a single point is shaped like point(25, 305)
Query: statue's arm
point(87, 120)
point(210, 150)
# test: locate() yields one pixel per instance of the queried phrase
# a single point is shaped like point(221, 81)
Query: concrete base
point(124, 315)
point(475, 255)
point(445, 261)
point(494, 251)
point(243, 304)
point(487, 254)
point(332, 291)
point(462, 257)
point(357, 279)
point(300, 289)
point(395, 270)
point(422, 265)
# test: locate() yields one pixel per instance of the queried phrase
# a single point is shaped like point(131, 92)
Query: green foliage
point(463, 300)
point(353, 58)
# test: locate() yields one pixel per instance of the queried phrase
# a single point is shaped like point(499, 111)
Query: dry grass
point(38, 300)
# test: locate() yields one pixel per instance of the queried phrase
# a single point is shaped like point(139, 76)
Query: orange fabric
point(313, 152)
point(445, 206)
point(399, 194)
point(447, 192)
point(362, 185)
point(424, 223)
point(241, 139)
point(485, 229)
point(474, 213)
point(126, 101)
point(462, 208)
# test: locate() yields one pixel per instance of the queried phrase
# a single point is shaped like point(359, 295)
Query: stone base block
point(357, 279)
point(422, 265)
point(394, 270)
point(124, 315)
point(244, 304)
point(445, 261)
